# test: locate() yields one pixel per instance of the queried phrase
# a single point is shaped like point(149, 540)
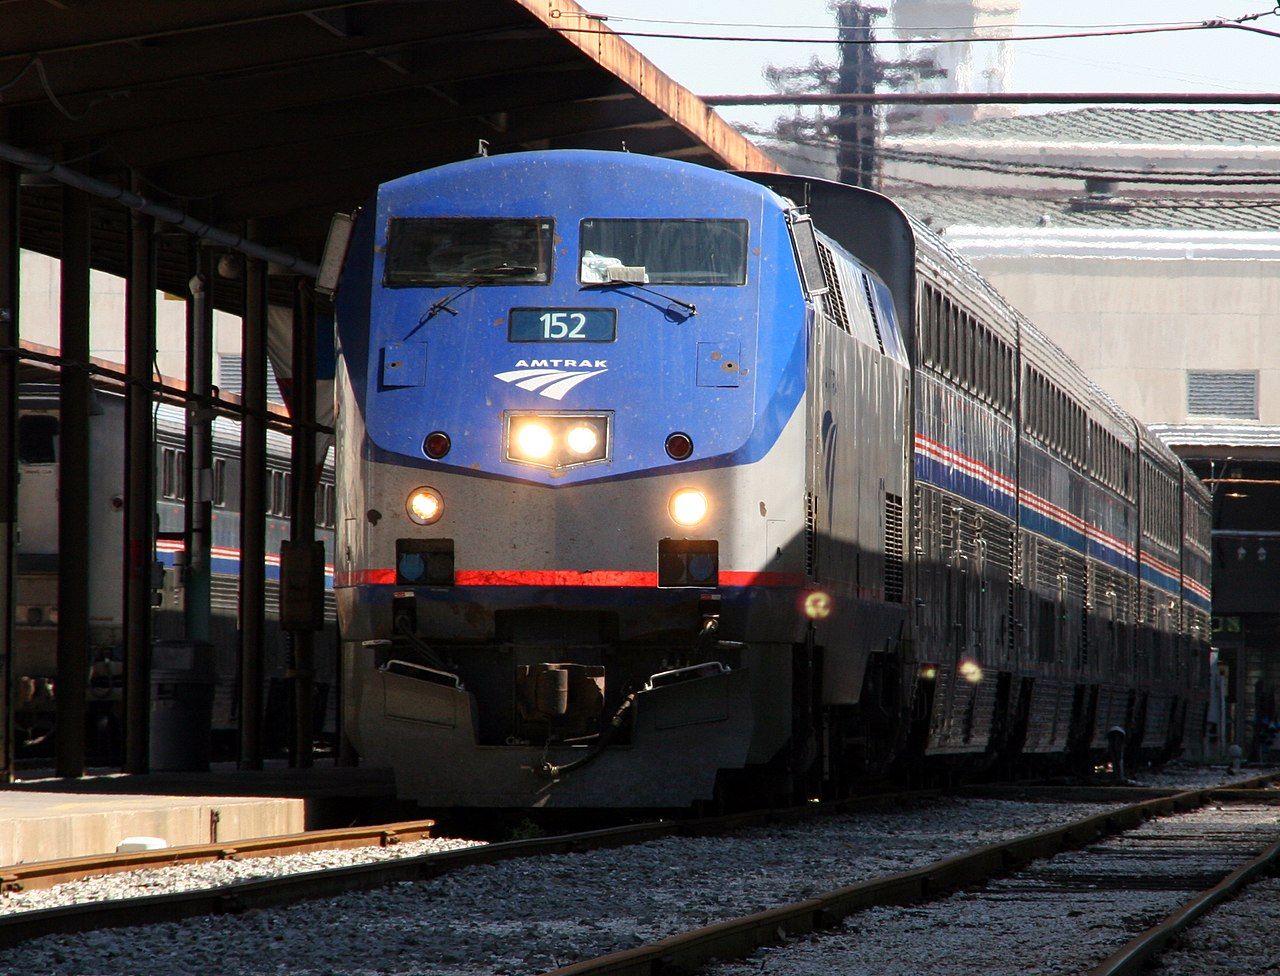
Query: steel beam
point(302, 529)
point(296, 91)
point(8, 458)
point(74, 558)
point(616, 56)
point(264, 52)
point(139, 491)
point(253, 483)
point(39, 34)
point(139, 204)
point(198, 510)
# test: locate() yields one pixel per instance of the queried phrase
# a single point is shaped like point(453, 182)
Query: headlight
point(688, 506)
point(582, 440)
point(533, 440)
point(557, 440)
point(424, 505)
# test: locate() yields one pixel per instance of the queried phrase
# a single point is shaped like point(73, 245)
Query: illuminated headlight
point(557, 440)
point(424, 505)
point(533, 440)
point(688, 506)
point(582, 440)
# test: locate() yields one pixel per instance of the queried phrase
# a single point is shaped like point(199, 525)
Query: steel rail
point(22, 926)
point(739, 937)
point(1134, 956)
point(46, 874)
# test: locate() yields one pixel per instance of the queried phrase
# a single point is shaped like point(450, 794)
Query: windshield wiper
point(477, 276)
point(619, 282)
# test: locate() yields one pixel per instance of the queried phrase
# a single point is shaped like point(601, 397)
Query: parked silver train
point(36, 582)
point(659, 484)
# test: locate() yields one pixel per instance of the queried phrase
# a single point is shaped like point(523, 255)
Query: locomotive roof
point(595, 165)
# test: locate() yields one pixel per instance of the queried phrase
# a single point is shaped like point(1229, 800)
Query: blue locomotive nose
point(507, 324)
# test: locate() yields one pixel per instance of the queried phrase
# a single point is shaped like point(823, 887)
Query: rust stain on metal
point(682, 106)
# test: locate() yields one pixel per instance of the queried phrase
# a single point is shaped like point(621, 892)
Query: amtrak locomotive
point(659, 484)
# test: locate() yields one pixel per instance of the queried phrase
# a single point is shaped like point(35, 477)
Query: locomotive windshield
point(664, 252)
point(468, 250)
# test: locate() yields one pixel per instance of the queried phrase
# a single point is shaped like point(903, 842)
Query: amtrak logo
point(550, 378)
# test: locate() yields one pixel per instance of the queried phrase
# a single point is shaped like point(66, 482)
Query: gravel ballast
point(1240, 936)
point(1061, 916)
point(529, 915)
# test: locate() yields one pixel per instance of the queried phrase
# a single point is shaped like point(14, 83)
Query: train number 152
point(563, 325)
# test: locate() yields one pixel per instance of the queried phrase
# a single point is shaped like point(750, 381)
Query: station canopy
point(281, 112)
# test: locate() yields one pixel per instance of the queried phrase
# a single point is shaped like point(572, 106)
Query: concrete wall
point(1137, 325)
point(41, 285)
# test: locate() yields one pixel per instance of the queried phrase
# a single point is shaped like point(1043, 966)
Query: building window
point(38, 439)
point(231, 377)
point(229, 373)
point(1222, 393)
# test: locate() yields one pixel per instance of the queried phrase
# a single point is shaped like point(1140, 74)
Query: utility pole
point(859, 72)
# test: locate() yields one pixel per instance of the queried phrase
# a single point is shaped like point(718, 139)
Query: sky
point(1204, 61)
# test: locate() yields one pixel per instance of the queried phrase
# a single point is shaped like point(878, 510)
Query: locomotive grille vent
point(893, 548)
point(917, 519)
point(871, 304)
point(1074, 569)
point(833, 301)
point(1218, 393)
point(810, 532)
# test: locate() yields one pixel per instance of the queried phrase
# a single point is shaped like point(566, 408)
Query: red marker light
point(436, 445)
point(679, 446)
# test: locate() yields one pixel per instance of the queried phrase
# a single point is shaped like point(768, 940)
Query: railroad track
point(1154, 861)
point(1137, 954)
point(22, 926)
point(35, 875)
point(280, 891)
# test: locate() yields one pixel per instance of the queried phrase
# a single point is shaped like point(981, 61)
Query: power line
point(1001, 98)
point(1055, 198)
point(1016, 168)
point(1265, 176)
point(730, 23)
point(970, 39)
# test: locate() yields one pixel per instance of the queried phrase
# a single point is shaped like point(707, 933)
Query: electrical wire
point(1051, 198)
point(1016, 168)
point(970, 39)
point(730, 23)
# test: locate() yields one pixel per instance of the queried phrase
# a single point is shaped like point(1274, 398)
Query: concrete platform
point(39, 826)
point(45, 818)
